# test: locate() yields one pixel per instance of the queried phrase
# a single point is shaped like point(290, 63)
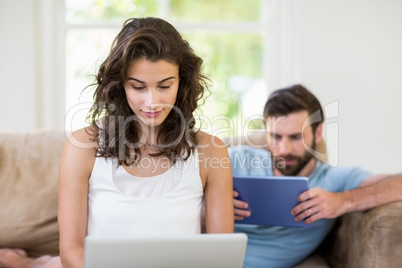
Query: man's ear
point(318, 133)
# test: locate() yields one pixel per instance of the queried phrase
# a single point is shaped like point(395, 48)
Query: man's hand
point(318, 203)
point(240, 208)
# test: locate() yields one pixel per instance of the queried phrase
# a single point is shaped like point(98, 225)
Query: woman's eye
point(138, 88)
point(164, 87)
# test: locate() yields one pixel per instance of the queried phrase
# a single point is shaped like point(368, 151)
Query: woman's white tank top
point(120, 204)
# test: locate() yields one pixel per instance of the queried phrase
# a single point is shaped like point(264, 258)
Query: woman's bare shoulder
point(213, 157)
point(81, 144)
point(210, 145)
point(83, 138)
point(79, 151)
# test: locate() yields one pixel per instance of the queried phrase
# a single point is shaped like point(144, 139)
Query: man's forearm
point(385, 191)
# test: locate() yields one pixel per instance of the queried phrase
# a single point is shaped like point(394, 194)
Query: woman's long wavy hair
point(116, 128)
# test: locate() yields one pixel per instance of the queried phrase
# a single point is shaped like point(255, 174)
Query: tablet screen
point(270, 199)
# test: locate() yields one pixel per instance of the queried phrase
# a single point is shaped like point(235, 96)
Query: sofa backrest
point(29, 166)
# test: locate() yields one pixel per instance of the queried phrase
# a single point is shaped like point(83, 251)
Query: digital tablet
point(270, 199)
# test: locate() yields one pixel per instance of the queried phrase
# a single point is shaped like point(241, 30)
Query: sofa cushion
point(313, 261)
point(29, 164)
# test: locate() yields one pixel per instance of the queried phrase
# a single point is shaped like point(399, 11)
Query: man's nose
point(285, 147)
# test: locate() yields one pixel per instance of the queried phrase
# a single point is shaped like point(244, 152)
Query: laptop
point(270, 199)
point(181, 251)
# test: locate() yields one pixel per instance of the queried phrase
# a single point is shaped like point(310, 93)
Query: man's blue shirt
point(273, 246)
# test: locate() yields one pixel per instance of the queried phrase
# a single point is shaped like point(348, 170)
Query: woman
point(141, 167)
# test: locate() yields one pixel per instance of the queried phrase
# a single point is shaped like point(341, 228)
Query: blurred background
point(347, 52)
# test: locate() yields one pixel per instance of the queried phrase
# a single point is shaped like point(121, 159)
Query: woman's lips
point(152, 114)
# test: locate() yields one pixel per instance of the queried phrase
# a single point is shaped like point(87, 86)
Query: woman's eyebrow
point(139, 81)
point(172, 77)
point(142, 82)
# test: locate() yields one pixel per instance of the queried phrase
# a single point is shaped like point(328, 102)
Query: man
point(294, 118)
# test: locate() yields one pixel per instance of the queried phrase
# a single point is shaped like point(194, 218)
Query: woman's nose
point(153, 97)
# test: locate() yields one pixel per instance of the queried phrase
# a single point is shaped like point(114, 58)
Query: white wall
point(31, 53)
point(351, 51)
point(17, 72)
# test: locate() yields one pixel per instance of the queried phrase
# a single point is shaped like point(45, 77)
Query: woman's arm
point(216, 175)
point(76, 165)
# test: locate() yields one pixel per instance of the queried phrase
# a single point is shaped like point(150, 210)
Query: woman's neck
point(150, 135)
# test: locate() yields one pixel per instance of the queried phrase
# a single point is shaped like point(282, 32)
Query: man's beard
point(293, 169)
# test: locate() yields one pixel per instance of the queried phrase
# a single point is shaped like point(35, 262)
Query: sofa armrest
point(371, 238)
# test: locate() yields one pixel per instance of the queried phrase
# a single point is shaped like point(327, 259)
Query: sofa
point(29, 163)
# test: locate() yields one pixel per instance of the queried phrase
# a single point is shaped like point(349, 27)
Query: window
point(231, 37)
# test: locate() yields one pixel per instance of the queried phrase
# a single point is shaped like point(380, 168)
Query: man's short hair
point(293, 99)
